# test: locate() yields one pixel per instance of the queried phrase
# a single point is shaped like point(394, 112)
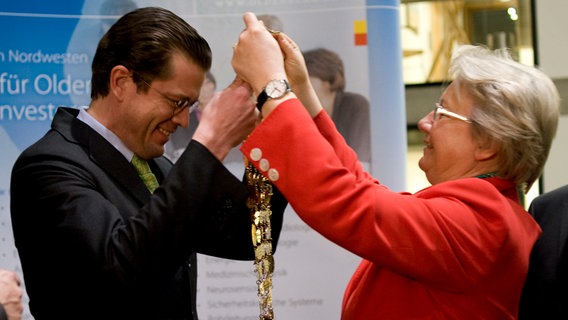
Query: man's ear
point(487, 148)
point(120, 81)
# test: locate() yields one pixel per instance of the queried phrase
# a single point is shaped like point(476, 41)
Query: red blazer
point(456, 250)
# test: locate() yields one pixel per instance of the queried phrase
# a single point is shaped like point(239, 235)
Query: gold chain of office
point(258, 202)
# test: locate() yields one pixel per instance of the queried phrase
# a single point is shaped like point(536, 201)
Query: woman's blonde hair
point(516, 105)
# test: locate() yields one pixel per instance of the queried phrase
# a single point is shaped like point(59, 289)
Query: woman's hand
point(257, 58)
point(297, 74)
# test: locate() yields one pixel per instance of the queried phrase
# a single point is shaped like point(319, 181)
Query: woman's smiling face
point(450, 147)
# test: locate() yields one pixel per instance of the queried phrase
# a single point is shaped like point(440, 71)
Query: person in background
point(179, 140)
point(99, 214)
point(11, 307)
point(545, 294)
point(111, 9)
point(84, 38)
point(348, 110)
point(458, 249)
point(271, 21)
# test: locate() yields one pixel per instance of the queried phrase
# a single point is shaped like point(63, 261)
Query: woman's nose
point(425, 124)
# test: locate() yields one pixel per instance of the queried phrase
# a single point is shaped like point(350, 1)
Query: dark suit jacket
point(3, 315)
point(545, 294)
point(95, 244)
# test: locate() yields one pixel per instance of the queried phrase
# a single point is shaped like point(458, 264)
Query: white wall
point(552, 42)
point(552, 45)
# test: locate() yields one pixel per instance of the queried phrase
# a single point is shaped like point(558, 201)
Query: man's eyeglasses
point(440, 111)
point(177, 105)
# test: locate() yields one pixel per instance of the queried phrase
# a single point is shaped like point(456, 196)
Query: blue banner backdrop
point(45, 58)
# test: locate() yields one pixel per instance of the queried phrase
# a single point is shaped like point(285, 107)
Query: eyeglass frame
point(177, 105)
point(440, 110)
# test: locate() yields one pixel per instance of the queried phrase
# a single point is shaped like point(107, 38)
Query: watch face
point(276, 88)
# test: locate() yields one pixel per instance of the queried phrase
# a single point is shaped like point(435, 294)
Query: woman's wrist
point(272, 104)
point(309, 98)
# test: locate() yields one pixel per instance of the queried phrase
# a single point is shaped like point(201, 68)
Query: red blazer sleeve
point(447, 235)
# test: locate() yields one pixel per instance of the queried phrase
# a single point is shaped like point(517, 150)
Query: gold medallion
point(258, 202)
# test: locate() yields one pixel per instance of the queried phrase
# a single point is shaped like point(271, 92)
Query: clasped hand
point(11, 294)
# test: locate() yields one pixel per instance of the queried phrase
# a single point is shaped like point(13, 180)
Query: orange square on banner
point(361, 39)
point(360, 31)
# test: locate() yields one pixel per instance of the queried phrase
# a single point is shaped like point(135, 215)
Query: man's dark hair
point(144, 41)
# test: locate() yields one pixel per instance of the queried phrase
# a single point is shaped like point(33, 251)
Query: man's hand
point(11, 294)
point(228, 119)
point(297, 73)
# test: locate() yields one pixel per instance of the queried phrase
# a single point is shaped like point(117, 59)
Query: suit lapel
point(113, 162)
point(160, 167)
point(104, 154)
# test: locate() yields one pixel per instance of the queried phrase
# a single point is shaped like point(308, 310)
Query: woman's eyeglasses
point(440, 111)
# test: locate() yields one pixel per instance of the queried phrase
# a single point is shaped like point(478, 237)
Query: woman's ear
point(487, 148)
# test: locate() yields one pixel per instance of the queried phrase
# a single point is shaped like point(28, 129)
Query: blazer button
point(255, 154)
point(264, 164)
point(273, 174)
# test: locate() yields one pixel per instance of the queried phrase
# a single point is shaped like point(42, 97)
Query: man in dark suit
point(94, 241)
point(545, 294)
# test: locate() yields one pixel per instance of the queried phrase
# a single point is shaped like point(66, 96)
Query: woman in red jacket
point(456, 250)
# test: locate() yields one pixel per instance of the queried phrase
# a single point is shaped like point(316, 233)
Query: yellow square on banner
point(360, 32)
point(360, 26)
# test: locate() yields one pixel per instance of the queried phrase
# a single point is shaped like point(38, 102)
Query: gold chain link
point(259, 204)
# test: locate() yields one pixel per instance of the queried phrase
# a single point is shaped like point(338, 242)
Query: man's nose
point(182, 118)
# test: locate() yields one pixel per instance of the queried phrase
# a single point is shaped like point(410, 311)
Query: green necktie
point(145, 173)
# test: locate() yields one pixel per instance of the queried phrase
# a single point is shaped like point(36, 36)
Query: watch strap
point(265, 94)
point(261, 99)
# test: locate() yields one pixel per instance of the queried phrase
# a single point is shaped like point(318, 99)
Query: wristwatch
point(274, 89)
